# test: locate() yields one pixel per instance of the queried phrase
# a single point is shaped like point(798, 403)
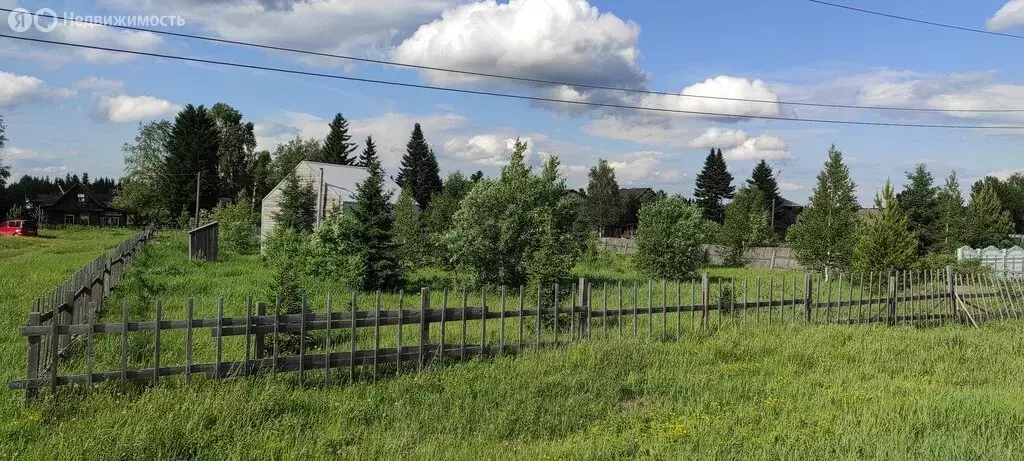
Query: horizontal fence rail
point(363, 337)
point(77, 299)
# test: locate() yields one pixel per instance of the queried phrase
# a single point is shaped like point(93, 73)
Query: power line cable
point(504, 95)
point(523, 79)
point(919, 21)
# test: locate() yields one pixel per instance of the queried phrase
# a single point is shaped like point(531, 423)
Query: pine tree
point(336, 148)
point(296, 209)
point(952, 216)
point(989, 223)
point(824, 235)
point(603, 203)
point(375, 226)
point(192, 149)
point(886, 242)
point(419, 170)
point(919, 203)
point(476, 176)
point(747, 224)
point(763, 178)
point(714, 185)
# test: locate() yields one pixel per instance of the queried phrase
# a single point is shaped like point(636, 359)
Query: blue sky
point(72, 110)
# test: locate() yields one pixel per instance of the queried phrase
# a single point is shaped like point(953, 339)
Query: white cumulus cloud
point(16, 89)
point(721, 138)
point(561, 40)
point(1009, 16)
point(765, 146)
point(124, 108)
point(485, 149)
point(722, 86)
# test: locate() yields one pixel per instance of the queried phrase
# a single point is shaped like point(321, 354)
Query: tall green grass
point(767, 392)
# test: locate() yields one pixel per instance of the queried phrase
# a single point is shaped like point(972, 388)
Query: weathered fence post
point(808, 288)
point(891, 301)
point(32, 366)
point(260, 341)
point(953, 302)
point(424, 326)
point(584, 306)
point(705, 289)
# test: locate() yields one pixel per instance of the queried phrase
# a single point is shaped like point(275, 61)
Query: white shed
point(335, 187)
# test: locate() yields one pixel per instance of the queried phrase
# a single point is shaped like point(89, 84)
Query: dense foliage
point(519, 228)
point(670, 239)
point(603, 204)
point(419, 171)
point(824, 235)
point(886, 241)
point(747, 224)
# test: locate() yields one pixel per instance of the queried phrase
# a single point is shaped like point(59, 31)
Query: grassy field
point(770, 392)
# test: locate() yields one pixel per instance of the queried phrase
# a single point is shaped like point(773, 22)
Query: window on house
point(81, 198)
point(69, 219)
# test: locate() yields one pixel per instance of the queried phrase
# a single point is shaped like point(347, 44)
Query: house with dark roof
point(79, 205)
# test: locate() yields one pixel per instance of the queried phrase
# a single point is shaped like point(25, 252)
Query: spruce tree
point(336, 148)
point(989, 224)
point(824, 235)
point(428, 184)
point(603, 204)
point(746, 225)
point(886, 242)
point(478, 175)
point(419, 170)
point(919, 203)
point(763, 178)
point(375, 226)
point(296, 208)
point(192, 149)
point(952, 216)
point(714, 185)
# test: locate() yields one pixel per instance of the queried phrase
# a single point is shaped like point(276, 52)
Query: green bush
point(237, 228)
point(333, 252)
point(670, 239)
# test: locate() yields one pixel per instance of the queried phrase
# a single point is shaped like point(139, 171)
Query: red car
point(19, 227)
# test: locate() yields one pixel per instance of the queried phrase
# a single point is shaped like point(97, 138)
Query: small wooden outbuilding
point(202, 242)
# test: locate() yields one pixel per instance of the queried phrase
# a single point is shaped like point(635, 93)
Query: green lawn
point(766, 392)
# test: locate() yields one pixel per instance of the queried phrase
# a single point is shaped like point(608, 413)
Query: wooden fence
point(359, 336)
point(77, 299)
point(759, 257)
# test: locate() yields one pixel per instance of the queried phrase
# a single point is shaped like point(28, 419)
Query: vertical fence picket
point(618, 313)
point(604, 304)
point(303, 311)
point(277, 334)
point(444, 318)
point(555, 304)
point(34, 349)
point(757, 300)
point(189, 315)
point(501, 321)
point(220, 338)
point(664, 309)
point(465, 315)
point(424, 327)
point(705, 298)
point(124, 342)
point(483, 322)
point(521, 318)
point(352, 338)
point(540, 295)
point(679, 309)
point(636, 325)
point(248, 337)
point(156, 342)
point(376, 335)
point(650, 307)
point(90, 351)
point(327, 340)
point(398, 338)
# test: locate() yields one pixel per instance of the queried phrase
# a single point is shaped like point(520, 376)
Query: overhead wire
point(500, 94)
point(520, 78)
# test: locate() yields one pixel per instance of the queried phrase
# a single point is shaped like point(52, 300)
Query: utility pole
point(775, 199)
point(199, 178)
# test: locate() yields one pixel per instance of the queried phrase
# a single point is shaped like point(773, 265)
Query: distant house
point(335, 187)
point(79, 205)
point(786, 212)
point(632, 199)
